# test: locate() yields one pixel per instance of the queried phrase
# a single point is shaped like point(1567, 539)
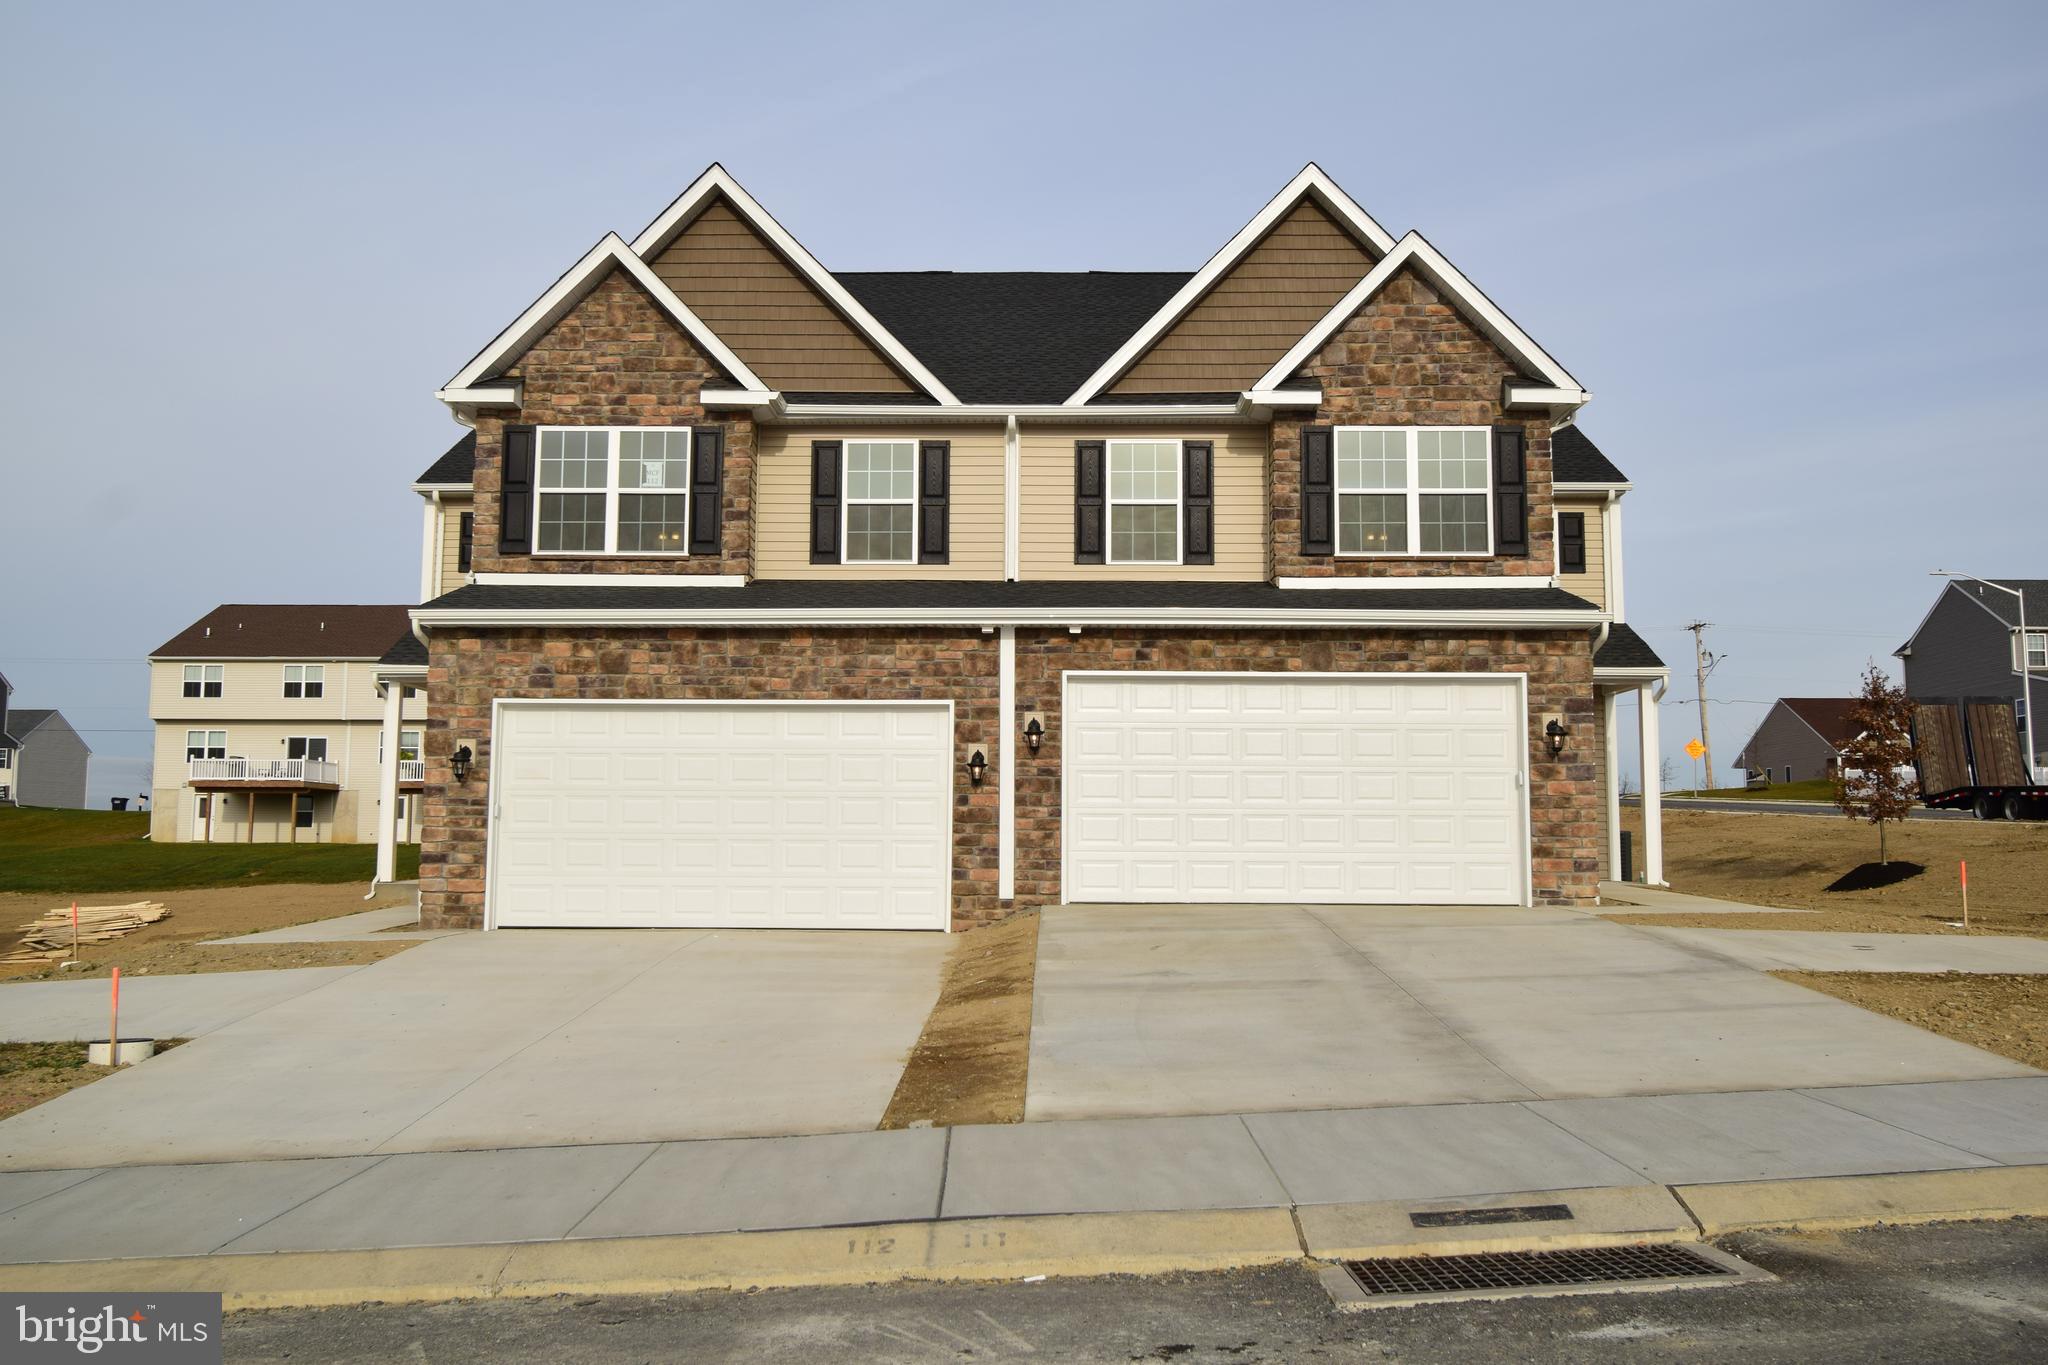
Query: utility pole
point(1704, 662)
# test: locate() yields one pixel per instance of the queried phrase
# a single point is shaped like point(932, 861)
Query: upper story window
point(612, 490)
point(2037, 649)
point(408, 745)
point(1144, 502)
point(305, 680)
point(6, 759)
point(206, 744)
point(1414, 490)
point(202, 680)
point(881, 502)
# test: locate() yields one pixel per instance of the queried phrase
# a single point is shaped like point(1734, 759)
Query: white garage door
point(1271, 788)
point(826, 816)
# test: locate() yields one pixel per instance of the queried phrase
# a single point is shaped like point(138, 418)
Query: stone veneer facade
point(1408, 359)
point(616, 359)
point(466, 672)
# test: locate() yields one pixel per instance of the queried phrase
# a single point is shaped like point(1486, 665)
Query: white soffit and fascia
point(1075, 618)
point(1311, 183)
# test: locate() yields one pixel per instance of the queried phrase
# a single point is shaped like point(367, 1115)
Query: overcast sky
point(1793, 249)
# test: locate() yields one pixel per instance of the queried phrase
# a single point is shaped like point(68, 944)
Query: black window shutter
point(1510, 493)
point(934, 491)
point(707, 490)
point(464, 541)
point(825, 502)
point(1088, 502)
point(1198, 501)
point(1571, 542)
point(515, 492)
point(1318, 492)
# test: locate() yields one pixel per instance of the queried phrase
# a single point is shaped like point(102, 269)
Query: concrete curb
point(1050, 1245)
point(965, 1249)
point(1853, 1201)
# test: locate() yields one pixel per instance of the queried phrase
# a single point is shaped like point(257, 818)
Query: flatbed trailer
point(1968, 755)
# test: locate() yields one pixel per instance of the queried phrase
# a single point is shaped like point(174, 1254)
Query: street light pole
point(2026, 669)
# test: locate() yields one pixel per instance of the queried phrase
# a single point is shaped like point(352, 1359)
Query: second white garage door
point(1335, 790)
point(814, 816)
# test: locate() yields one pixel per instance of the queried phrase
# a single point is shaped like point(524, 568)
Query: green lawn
point(1813, 789)
point(94, 851)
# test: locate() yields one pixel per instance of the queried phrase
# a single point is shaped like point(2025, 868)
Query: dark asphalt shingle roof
point(457, 464)
point(1626, 649)
point(1575, 459)
point(2036, 590)
point(1829, 717)
point(1012, 336)
point(277, 630)
point(406, 650)
point(25, 720)
point(883, 594)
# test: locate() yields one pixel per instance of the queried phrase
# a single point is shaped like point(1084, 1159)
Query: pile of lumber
point(48, 937)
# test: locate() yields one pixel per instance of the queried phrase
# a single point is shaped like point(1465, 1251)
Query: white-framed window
point(1414, 491)
point(305, 680)
point(6, 759)
point(612, 491)
point(202, 680)
point(1144, 502)
point(306, 746)
point(880, 504)
point(302, 811)
point(2036, 650)
point(408, 745)
point(206, 744)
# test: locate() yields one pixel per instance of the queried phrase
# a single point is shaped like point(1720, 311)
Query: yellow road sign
point(1693, 748)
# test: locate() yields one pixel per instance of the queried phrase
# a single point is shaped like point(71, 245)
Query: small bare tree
point(1870, 783)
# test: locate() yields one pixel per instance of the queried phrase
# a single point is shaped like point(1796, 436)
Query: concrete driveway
point(1161, 1010)
point(509, 1039)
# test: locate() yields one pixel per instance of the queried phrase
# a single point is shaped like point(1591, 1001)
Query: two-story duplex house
point(1971, 646)
point(270, 727)
point(43, 761)
point(899, 600)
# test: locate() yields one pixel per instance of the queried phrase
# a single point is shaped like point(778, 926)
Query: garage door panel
point(1254, 788)
point(708, 815)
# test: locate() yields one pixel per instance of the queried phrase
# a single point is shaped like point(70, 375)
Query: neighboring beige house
point(269, 726)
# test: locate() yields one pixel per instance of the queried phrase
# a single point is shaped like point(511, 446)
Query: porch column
point(1610, 721)
point(387, 788)
point(1650, 754)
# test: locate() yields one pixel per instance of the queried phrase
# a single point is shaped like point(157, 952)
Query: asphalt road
point(1962, 1292)
point(1761, 807)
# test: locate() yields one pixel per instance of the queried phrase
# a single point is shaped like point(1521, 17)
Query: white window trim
point(847, 501)
point(611, 492)
point(307, 677)
point(308, 740)
point(203, 747)
point(1110, 502)
point(416, 746)
point(2024, 656)
point(6, 759)
point(215, 674)
point(1414, 492)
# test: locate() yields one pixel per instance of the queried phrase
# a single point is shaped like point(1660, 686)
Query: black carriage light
point(459, 761)
point(1555, 733)
point(1034, 734)
point(977, 767)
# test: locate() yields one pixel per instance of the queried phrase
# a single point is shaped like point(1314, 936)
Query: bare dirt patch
point(2004, 1014)
point(1789, 860)
point(970, 1063)
point(31, 1073)
point(175, 945)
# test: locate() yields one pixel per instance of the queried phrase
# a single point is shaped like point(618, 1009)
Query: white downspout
point(387, 790)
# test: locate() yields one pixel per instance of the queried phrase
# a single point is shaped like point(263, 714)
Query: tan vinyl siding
point(769, 314)
point(1592, 584)
point(783, 510)
point(451, 542)
point(1046, 516)
point(1281, 288)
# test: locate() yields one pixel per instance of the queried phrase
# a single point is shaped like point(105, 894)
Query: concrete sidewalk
point(1660, 900)
point(391, 922)
point(1779, 950)
point(1299, 1161)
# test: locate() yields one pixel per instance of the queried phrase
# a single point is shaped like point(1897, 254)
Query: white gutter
point(977, 617)
point(1000, 412)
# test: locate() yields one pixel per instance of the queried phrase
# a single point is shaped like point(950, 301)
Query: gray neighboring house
point(1799, 739)
point(42, 759)
point(1969, 646)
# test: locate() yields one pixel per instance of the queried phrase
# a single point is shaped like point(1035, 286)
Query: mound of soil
point(1870, 876)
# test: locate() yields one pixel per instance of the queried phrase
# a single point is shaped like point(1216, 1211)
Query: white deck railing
point(412, 770)
point(301, 770)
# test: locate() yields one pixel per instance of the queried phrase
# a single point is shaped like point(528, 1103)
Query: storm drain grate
point(1486, 1271)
